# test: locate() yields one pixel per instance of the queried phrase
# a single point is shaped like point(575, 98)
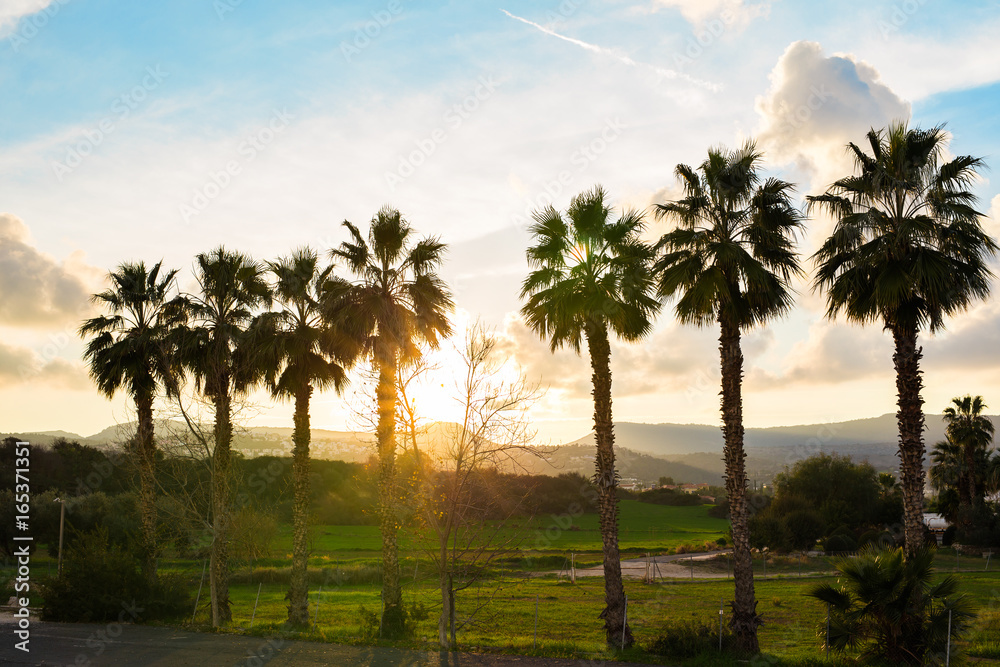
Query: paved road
point(141, 646)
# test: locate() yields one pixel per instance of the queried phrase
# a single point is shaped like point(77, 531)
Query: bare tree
point(461, 491)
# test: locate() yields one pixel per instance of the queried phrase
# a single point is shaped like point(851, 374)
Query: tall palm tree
point(127, 351)
point(592, 276)
point(907, 250)
point(398, 301)
point(729, 261)
point(973, 432)
point(231, 287)
point(299, 350)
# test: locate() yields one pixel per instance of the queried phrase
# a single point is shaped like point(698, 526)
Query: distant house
point(937, 524)
point(693, 488)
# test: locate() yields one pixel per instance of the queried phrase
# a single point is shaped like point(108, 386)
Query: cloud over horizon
point(35, 289)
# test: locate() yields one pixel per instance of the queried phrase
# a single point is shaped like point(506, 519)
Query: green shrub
point(803, 528)
point(102, 582)
point(687, 639)
point(892, 608)
point(839, 543)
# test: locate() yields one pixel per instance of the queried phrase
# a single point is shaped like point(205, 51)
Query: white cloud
point(35, 289)
point(817, 104)
point(921, 65)
point(11, 11)
point(20, 365)
point(698, 12)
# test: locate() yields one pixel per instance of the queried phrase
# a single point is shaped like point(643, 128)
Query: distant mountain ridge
point(680, 439)
point(686, 452)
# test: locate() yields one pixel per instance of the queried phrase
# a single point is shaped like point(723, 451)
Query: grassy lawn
point(568, 623)
point(344, 573)
point(644, 527)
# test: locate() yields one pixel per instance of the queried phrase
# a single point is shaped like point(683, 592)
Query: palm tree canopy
point(399, 299)
point(908, 248)
point(732, 251)
point(127, 349)
point(296, 346)
point(232, 286)
point(588, 268)
point(967, 424)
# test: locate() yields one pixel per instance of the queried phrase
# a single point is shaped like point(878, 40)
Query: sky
point(156, 131)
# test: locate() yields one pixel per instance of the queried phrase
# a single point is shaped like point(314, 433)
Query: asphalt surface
point(86, 645)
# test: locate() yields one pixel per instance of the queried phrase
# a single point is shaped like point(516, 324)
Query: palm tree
point(874, 609)
point(128, 352)
point(906, 251)
point(231, 286)
point(399, 301)
point(591, 276)
point(299, 351)
point(730, 260)
point(973, 431)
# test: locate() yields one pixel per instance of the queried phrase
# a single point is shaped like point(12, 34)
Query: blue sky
point(159, 130)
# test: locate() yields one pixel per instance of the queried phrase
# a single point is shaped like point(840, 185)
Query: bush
point(839, 543)
point(892, 608)
point(371, 622)
point(687, 639)
point(102, 582)
point(803, 528)
point(719, 511)
point(767, 531)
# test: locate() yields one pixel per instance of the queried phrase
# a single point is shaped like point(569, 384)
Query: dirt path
point(666, 567)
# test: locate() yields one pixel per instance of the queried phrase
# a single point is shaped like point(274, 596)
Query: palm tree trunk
point(392, 595)
point(221, 509)
point(618, 634)
point(745, 620)
point(146, 447)
point(298, 591)
point(911, 434)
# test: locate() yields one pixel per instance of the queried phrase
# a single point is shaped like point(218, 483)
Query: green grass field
point(344, 575)
point(644, 527)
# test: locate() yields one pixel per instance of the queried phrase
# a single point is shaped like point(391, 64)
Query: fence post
point(255, 604)
point(198, 597)
point(947, 651)
point(827, 630)
point(535, 640)
point(721, 602)
point(573, 565)
point(988, 554)
point(316, 613)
